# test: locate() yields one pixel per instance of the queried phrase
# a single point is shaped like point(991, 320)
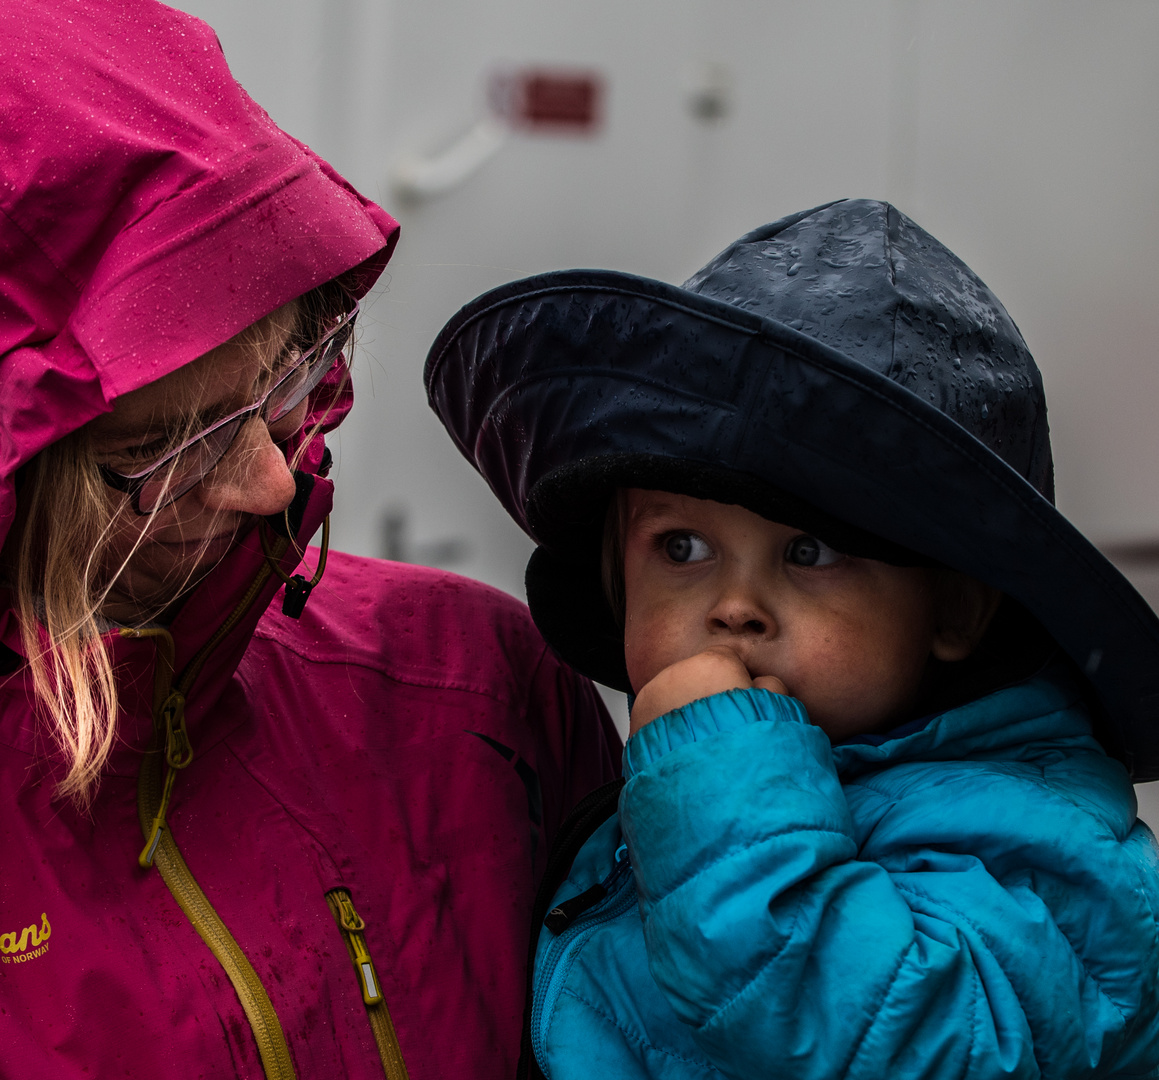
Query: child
point(876, 820)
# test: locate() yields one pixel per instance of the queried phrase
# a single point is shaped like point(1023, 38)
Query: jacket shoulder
point(1058, 836)
point(413, 624)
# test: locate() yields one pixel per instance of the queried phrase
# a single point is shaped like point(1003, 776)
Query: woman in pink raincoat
point(249, 827)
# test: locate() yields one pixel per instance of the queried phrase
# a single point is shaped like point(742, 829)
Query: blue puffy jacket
point(971, 899)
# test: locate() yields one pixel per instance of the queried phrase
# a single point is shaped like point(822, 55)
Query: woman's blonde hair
point(65, 508)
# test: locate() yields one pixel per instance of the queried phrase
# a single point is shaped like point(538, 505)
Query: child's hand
point(711, 672)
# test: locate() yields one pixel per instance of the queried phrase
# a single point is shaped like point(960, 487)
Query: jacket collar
point(1008, 724)
point(209, 606)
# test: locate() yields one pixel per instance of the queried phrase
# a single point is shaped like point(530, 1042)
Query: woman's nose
point(253, 477)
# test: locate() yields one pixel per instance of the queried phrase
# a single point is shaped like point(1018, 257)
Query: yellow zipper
point(350, 925)
point(169, 702)
point(160, 849)
point(153, 796)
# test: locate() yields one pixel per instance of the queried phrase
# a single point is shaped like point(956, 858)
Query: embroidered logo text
point(21, 946)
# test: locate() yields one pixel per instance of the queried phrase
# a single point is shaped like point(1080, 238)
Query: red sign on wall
point(549, 99)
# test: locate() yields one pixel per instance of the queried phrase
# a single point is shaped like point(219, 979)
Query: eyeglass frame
point(133, 483)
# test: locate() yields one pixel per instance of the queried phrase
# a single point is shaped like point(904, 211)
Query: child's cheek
point(655, 637)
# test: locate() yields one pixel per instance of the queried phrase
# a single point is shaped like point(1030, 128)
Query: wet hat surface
point(839, 370)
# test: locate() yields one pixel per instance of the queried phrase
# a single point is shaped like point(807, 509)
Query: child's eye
point(686, 547)
point(809, 551)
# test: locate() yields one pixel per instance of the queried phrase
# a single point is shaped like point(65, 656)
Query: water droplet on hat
point(957, 362)
point(794, 269)
point(985, 411)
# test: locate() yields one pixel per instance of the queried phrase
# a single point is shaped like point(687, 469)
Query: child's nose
point(739, 611)
point(741, 624)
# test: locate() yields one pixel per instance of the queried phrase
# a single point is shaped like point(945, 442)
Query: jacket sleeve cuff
point(700, 719)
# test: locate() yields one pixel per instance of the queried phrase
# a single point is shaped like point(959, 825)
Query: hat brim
point(539, 375)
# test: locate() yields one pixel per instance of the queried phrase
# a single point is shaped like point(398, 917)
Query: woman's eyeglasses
point(180, 470)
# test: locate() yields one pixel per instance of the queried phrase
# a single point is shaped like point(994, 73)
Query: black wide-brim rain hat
point(839, 371)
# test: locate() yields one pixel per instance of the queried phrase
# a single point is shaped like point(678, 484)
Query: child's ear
point(963, 608)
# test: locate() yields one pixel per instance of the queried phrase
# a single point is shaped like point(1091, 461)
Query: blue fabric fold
point(971, 898)
point(705, 717)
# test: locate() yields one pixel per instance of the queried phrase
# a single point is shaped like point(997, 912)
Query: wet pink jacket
point(409, 738)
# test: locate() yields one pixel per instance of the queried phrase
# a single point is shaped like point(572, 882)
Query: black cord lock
point(298, 589)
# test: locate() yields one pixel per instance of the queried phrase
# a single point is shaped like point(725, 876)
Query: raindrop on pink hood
point(149, 210)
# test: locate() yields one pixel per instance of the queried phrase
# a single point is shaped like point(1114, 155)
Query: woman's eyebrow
point(155, 425)
point(199, 419)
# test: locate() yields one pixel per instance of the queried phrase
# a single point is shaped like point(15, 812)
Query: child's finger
point(770, 682)
point(710, 672)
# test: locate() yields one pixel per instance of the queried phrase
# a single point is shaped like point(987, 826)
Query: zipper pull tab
point(178, 748)
point(353, 925)
point(559, 918)
point(145, 859)
point(178, 754)
point(371, 994)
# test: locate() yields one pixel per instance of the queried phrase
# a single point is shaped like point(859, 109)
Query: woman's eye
point(809, 551)
point(284, 365)
point(686, 547)
point(143, 454)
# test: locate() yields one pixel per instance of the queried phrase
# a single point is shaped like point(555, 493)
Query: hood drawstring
point(298, 589)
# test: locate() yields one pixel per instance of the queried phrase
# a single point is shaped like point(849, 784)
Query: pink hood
point(149, 210)
point(410, 740)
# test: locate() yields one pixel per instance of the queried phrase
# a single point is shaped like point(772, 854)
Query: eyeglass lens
point(198, 459)
point(188, 468)
point(298, 382)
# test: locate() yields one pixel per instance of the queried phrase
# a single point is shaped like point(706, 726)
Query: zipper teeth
point(381, 1025)
point(259, 1010)
point(263, 1018)
point(612, 908)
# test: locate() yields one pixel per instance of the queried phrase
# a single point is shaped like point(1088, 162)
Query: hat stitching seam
point(611, 373)
point(754, 331)
point(962, 449)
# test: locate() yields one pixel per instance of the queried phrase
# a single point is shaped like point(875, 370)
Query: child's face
point(849, 637)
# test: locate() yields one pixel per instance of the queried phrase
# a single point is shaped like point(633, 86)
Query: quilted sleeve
point(1003, 933)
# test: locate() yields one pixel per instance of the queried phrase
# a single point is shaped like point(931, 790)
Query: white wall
point(1021, 134)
